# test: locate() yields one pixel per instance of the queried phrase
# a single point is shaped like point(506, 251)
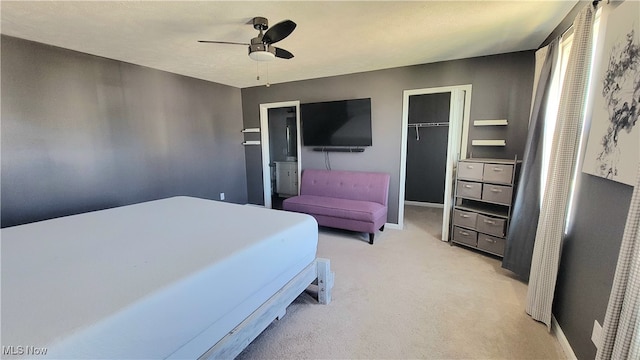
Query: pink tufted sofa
point(349, 200)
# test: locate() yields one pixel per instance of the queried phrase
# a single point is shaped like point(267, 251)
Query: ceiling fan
point(260, 48)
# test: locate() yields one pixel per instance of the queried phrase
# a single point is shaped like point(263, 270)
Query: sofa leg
point(371, 238)
point(382, 228)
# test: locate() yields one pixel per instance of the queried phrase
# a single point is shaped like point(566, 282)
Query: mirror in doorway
point(283, 154)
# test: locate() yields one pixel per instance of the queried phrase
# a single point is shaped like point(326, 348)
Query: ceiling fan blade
point(279, 31)
point(222, 42)
point(282, 53)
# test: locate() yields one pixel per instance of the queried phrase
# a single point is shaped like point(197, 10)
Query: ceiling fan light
point(262, 55)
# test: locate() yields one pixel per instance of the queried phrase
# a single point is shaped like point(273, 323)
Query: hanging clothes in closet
point(427, 140)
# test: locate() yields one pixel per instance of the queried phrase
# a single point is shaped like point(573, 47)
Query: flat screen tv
point(336, 123)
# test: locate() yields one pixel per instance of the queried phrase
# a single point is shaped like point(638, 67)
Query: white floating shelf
point(251, 130)
point(488, 142)
point(502, 122)
point(251, 142)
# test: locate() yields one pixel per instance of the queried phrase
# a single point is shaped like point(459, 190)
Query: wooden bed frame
point(242, 335)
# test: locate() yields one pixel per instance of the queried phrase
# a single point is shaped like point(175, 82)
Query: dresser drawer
point(497, 193)
point(465, 236)
point(490, 225)
point(469, 189)
point(497, 173)
point(470, 170)
point(491, 244)
point(464, 218)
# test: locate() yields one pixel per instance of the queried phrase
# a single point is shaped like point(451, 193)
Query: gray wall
point(502, 86)
point(82, 133)
point(589, 258)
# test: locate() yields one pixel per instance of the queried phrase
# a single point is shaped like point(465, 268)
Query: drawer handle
point(464, 216)
point(464, 233)
point(468, 186)
point(490, 240)
point(498, 169)
point(469, 166)
point(494, 190)
point(489, 222)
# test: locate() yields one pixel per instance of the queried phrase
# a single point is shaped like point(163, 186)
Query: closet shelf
point(433, 124)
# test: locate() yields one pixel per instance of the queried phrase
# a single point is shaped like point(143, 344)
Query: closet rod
point(417, 125)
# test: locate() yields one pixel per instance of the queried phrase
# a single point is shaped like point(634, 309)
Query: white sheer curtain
point(621, 328)
point(566, 139)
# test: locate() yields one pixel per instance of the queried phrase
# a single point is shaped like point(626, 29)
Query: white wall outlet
point(221, 196)
point(596, 334)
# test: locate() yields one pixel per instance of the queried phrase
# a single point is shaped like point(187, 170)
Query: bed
point(173, 278)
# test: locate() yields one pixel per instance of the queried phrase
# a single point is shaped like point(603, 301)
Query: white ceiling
point(332, 37)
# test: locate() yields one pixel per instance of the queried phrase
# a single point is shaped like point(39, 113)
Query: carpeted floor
point(409, 296)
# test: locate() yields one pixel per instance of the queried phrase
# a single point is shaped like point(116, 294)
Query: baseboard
point(392, 226)
point(564, 343)
point(424, 204)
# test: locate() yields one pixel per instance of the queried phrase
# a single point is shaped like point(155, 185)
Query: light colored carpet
point(409, 296)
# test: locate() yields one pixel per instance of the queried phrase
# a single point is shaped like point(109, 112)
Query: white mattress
point(165, 278)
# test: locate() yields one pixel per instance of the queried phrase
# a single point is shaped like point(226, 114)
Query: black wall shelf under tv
point(339, 149)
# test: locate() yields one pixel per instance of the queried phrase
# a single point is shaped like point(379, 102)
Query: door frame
point(264, 144)
point(459, 113)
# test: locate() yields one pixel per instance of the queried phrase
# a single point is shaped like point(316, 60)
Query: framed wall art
point(613, 146)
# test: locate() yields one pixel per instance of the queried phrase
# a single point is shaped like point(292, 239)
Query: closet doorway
point(434, 136)
point(427, 139)
point(280, 143)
